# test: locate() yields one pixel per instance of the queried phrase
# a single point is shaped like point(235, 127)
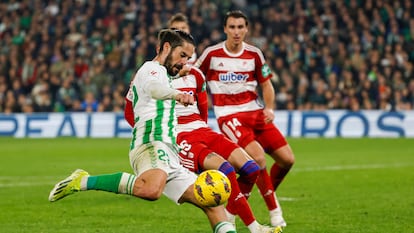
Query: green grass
point(336, 185)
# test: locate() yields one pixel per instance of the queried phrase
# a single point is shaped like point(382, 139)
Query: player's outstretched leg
point(68, 186)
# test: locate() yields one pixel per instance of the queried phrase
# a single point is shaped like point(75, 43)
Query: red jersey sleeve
point(203, 105)
point(202, 100)
point(202, 62)
point(129, 113)
point(263, 72)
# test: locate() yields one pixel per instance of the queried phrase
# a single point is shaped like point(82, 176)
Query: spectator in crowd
point(89, 103)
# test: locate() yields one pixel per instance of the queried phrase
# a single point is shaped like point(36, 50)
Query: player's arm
point(202, 103)
point(202, 98)
point(268, 99)
point(161, 92)
point(129, 109)
point(264, 74)
point(129, 112)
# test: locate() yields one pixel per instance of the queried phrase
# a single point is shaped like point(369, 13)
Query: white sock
point(224, 227)
point(230, 217)
point(126, 184)
point(277, 211)
point(84, 183)
point(253, 226)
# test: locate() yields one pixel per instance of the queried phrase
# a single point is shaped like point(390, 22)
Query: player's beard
point(172, 70)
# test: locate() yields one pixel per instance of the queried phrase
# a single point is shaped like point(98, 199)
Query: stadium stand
point(79, 55)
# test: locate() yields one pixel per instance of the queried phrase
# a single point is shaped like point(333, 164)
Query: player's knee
point(288, 160)
point(149, 193)
point(261, 161)
point(284, 157)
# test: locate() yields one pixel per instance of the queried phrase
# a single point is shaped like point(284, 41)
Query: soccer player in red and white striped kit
point(234, 69)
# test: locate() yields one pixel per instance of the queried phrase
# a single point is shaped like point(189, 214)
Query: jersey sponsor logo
point(233, 77)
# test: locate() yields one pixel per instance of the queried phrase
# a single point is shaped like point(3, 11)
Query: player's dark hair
point(174, 37)
point(235, 14)
point(179, 17)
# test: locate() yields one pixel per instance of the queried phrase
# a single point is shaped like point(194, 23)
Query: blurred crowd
point(80, 55)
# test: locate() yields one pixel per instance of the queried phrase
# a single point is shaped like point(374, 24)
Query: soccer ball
point(212, 188)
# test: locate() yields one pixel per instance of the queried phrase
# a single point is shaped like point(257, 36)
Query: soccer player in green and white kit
point(153, 152)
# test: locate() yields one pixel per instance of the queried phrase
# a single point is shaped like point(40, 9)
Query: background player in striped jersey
point(203, 149)
point(233, 71)
point(153, 153)
point(180, 21)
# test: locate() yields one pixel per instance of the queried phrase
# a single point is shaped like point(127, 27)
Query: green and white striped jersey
point(155, 119)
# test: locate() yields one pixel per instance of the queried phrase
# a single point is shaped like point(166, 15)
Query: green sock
point(120, 182)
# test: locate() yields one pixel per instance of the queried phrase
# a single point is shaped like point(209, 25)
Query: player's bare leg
point(150, 184)
point(215, 215)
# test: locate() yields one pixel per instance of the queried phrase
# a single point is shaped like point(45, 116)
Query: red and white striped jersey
point(233, 78)
point(192, 116)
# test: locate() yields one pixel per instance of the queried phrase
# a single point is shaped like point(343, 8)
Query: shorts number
point(163, 156)
point(230, 128)
point(233, 123)
point(185, 149)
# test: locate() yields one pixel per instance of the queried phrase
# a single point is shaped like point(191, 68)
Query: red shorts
point(246, 127)
point(197, 144)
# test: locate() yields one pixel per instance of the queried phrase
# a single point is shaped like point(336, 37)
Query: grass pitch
point(336, 186)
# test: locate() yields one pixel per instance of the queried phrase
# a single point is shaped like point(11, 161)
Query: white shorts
point(163, 156)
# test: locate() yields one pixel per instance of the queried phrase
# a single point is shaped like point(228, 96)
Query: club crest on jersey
point(231, 77)
point(266, 70)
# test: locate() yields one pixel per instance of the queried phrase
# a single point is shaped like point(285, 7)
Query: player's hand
point(185, 99)
point(269, 115)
